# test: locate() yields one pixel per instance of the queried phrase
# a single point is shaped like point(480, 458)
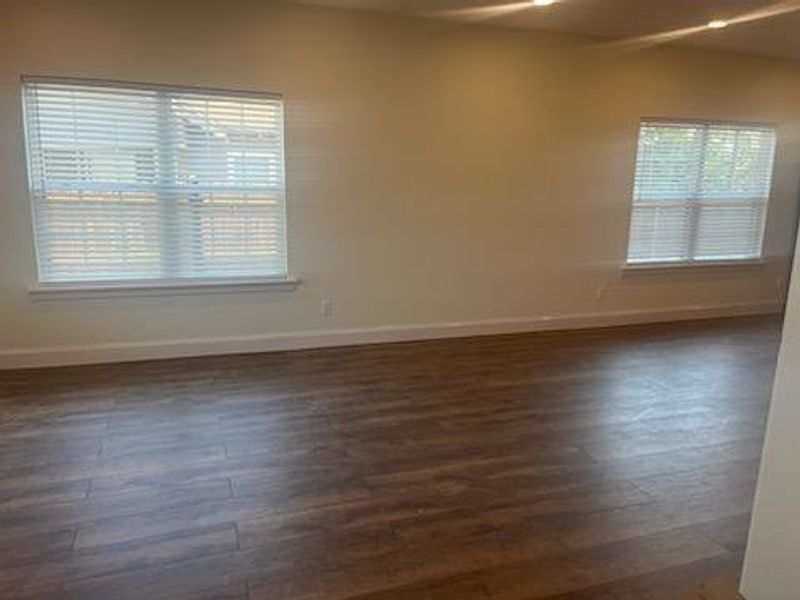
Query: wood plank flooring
point(614, 464)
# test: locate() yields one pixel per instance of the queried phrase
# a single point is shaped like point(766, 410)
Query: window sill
point(691, 265)
point(47, 291)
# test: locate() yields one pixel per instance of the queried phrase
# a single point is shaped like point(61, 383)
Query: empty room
point(399, 299)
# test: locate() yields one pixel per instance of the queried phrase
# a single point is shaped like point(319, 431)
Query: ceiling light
point(543, 2)
point(717, 24)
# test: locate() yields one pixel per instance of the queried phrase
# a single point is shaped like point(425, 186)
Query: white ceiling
point(752, 31)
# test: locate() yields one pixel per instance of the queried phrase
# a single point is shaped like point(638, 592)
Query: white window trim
point(159, 287)
point(107, 288)
point(656, 265)
point(650, 266)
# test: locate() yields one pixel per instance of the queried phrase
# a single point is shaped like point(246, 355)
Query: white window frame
point(692, 262)
point(41, 289)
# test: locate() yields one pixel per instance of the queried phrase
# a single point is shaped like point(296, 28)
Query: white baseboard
point(271, 342)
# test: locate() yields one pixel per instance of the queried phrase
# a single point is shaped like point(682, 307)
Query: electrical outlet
point(326, 307)
point(600, 294)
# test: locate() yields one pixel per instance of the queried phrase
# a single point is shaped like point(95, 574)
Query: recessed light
point(543, 2)
point(717, 24)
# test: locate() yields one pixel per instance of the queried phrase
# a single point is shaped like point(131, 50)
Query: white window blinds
point(154, 183)
point(701, 192)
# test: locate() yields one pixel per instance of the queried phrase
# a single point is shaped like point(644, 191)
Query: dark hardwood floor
point(607, 464)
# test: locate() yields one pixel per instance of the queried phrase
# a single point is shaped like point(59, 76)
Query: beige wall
point(436, 172)
point(771, 564)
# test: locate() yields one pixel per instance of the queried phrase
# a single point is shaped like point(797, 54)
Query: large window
point(148, 183)
point(701, 192)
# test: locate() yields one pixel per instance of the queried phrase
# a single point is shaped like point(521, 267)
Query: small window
point(149, 183)
point(701, 192)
